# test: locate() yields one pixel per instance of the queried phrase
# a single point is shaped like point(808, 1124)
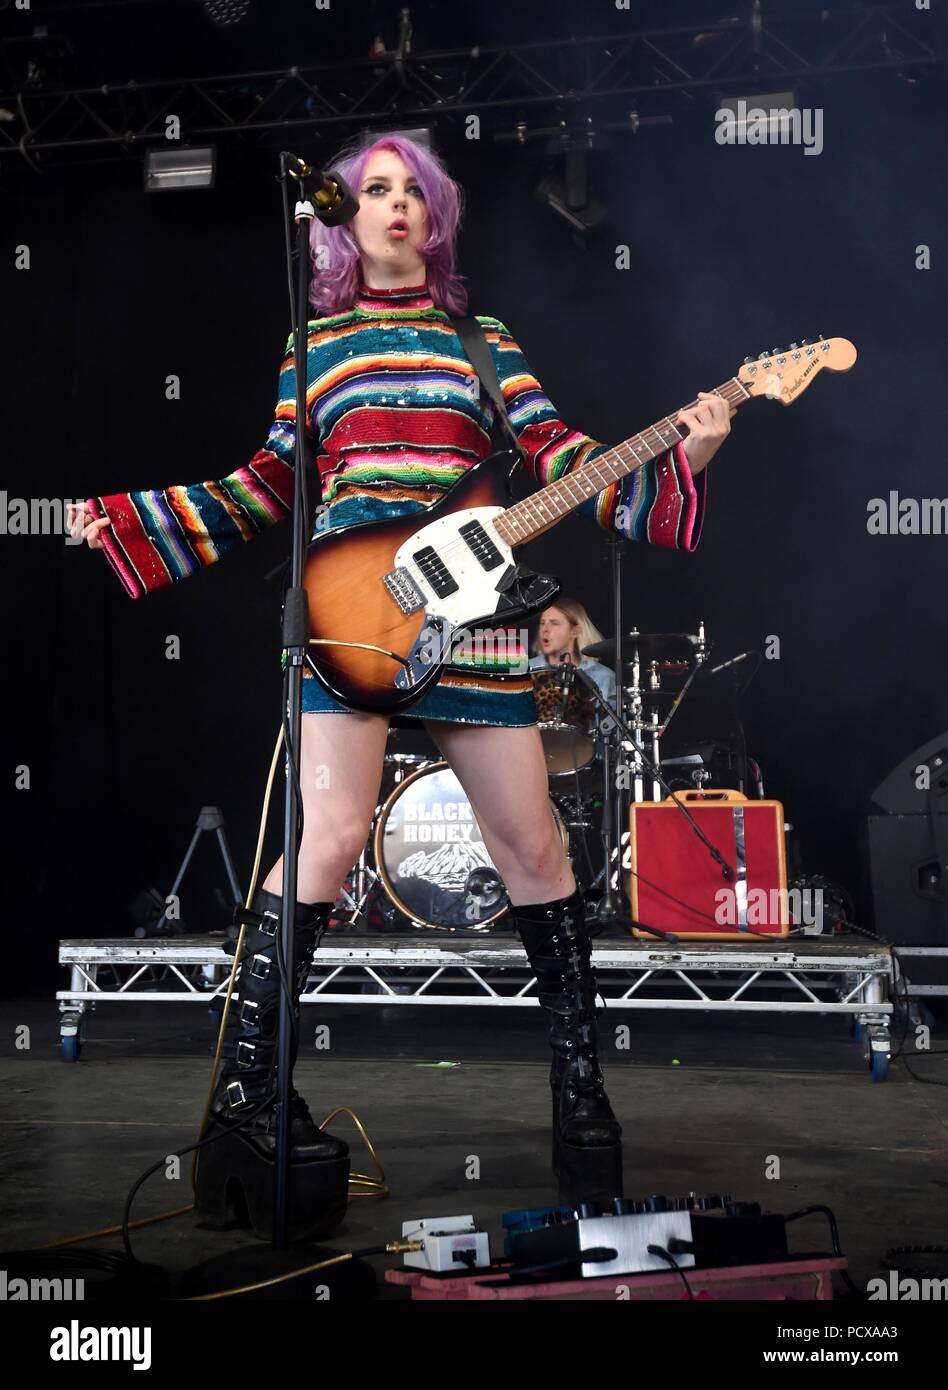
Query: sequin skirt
point(459, 697)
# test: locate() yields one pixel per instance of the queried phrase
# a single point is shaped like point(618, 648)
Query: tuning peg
point(763, 357)
point(747, 361)
point(805, 342)
point(793, 347)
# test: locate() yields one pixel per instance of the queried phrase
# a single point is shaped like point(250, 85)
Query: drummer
point(565, 629)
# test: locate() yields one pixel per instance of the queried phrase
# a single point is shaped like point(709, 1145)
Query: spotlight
point(187, 168)
point(747, 111)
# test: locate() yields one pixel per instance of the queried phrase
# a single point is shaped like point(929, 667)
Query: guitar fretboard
point(542, 509)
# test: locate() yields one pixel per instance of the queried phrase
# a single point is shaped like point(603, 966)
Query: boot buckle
point(246, 1053)
point(235, 1094)
point(260, 967)
point(249, 1011)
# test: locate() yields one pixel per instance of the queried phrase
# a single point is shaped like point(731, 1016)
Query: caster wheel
point(72, 1047)
point(879, 1065)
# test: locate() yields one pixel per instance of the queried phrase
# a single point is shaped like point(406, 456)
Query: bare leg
point(340, 775)
point(503, 772)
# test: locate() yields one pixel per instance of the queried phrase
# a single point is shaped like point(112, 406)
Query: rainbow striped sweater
point(395, 414)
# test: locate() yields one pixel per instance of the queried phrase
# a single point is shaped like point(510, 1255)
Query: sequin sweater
point(395, 414)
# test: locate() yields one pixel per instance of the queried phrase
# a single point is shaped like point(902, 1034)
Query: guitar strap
point(481, 359)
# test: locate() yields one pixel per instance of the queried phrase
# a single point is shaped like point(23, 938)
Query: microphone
point(332, 198)
point(733, 662)
point(565, 674)
point(564, 681)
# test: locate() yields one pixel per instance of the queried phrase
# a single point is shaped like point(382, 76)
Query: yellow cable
point(376, 1187)
point(393, 1247)
point(265, 1283)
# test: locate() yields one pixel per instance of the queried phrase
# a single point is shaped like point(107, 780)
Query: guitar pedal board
point(629, 1236)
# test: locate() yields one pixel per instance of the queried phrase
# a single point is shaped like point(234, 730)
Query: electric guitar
point(388, 599)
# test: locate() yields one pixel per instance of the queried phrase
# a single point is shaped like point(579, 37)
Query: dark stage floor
point(73, 1137)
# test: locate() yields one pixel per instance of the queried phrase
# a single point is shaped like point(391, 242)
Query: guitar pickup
point(404, 590)
point(486, 552)
point(435, 571)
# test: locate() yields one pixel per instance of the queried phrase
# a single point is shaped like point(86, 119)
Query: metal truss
point(518, 92)
point(815, 976)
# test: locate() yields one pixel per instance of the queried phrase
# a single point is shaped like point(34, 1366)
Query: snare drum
point(431, 857)
point(566, 720)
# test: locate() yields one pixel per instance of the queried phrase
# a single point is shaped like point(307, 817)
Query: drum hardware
point(644, 647)
point(662, 653)
point(692, 764)
point(700, 764)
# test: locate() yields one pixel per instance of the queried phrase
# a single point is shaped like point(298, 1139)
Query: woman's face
point(557, 633)
point(391, 225)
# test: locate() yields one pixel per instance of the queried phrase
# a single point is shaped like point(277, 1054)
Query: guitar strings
point(560, 485)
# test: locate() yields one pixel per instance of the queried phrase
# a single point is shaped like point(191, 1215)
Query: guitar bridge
point(404, 590)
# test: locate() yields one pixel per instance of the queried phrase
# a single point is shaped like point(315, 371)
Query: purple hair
point(335, 287)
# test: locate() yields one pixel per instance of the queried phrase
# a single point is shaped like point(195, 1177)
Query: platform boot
point(236, 1171)
point(587, 1148)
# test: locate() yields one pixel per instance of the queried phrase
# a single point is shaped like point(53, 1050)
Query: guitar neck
point(543, 509)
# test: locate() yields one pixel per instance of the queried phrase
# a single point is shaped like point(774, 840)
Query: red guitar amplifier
point(675, 884)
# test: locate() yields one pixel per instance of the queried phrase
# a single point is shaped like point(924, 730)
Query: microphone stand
point(316, 197)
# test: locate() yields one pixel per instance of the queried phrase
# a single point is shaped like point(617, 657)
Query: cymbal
point(650, 646)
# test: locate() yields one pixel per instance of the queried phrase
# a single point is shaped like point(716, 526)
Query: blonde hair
point(577, 616)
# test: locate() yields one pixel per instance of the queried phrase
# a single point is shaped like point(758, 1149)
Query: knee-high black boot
point(241, 1156)
point(587, 1149)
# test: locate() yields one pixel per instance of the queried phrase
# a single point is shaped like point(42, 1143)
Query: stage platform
point(798, 974)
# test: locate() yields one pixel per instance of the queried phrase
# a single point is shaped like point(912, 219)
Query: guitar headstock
point(782, 376)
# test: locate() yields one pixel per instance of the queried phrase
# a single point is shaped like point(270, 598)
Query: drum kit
point(425, 865)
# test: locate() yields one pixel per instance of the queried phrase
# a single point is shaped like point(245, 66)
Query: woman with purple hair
point(395, 415)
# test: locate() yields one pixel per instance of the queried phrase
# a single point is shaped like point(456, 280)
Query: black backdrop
point(733, 250)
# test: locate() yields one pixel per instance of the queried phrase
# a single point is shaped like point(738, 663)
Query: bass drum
point(431, 857)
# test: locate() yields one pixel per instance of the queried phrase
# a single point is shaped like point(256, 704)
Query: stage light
point(582, 219)
point(187, 168)
point(745, 110)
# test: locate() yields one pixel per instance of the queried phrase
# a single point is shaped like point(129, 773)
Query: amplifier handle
point(708, 794)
